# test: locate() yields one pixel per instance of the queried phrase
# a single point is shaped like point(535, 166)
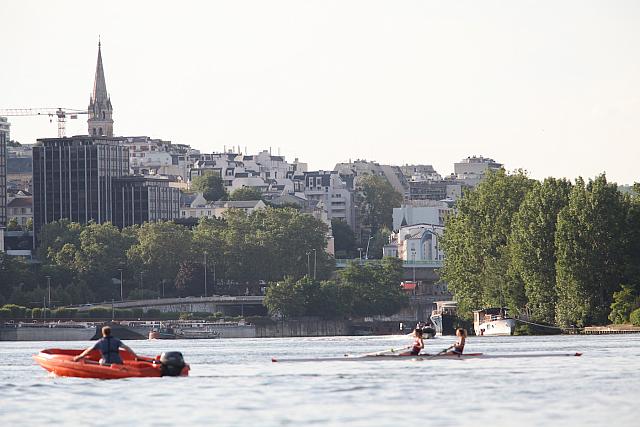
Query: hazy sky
point(552, 87)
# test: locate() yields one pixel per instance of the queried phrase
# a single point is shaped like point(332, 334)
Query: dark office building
point(139, 199)
point(73, 178)
point(3, 180)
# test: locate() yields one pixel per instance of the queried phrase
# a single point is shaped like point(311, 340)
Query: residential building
point(4, 138)
point(421, 212)
point(196, 206)
point(19, 167)
point(5, 128)
point(393, 174)
point(20, 208)
point(416, 243)
point(329, 188)
point(139, 199)
point(73, 178)
point(472, 169)
point(426, 189)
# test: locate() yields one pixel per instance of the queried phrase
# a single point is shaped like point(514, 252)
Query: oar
point(438, 354)
point(380, 353)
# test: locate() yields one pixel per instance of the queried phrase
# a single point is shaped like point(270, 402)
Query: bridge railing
point(342, 263)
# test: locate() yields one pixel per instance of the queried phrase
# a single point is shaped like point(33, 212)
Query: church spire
point(100, 110)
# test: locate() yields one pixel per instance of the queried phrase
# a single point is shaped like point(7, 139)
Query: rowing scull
point(366, 358)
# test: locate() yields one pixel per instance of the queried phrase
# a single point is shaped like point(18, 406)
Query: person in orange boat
point(418, 344)
point(109, 347)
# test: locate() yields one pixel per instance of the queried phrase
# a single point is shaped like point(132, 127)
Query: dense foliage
point(246, 193)
point(556, 252)
point(243, 252)
point(211, 186)
point(377, 200)
point(360, 290)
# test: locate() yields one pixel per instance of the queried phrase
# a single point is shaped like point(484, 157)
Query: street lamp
point(360, 250)
point(121, 293)
point(413, 253)
point(141, 288)
point(214, 277)
point(315, 263)
point(308, 265)
point(49, 289)
point(366, 255)
point(205, 273)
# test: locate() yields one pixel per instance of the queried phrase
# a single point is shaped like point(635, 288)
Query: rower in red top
point(418, 344)
point(458, 347)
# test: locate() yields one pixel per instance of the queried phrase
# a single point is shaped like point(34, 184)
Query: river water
point(234, 383)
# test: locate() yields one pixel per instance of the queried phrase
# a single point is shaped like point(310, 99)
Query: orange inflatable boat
point(60, 362)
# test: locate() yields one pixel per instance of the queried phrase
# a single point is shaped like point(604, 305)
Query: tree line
point(360, 290)
point(84, 263)
point(560, 253)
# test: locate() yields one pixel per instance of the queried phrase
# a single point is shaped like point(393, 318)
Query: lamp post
point(163, 288)
point(121, 293)
point(308, 265)
point(205, 273)
point(214, 277)
point(315, 263)
point(360, 250)
point(49, 290)
point(413, 253)
point(141, 288)
point(366, 255)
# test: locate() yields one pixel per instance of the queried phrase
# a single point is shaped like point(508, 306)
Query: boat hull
point(422, 357)
point(444, 324)
point(501, 327)
point(61, 363)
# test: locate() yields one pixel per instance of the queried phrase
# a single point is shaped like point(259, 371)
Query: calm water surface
point(234, 383)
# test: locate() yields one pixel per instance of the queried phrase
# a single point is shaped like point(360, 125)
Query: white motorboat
point(493, 321)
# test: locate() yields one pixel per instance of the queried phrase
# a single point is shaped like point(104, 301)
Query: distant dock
point(604, 330)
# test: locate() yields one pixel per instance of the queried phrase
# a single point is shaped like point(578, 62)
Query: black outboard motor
point(172, 363)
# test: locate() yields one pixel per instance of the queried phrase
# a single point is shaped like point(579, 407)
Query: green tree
point(160, 249)
point(211, 186)
point(624, 302)
point(344, 239)
point(475, 241)
point(377, 201)
point(102, 251)
point(55, 235)
point(374, 288)
point(589, 255)
point(532, 245)
point(13, 225)
point(285, 298)
point(246, 193)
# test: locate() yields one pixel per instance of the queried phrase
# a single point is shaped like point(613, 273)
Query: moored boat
point(493, 321)
point(443, 317)
point(61, 362)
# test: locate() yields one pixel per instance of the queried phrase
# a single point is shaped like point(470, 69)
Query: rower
point(109, 347)
point(418, 344)
point(458, 347)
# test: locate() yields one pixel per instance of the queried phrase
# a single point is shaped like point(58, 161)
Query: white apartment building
point(421, 212)
point(331, 190)
point(416, 243)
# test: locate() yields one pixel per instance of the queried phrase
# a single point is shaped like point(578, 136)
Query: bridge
point(249, 305)
point(424, 271)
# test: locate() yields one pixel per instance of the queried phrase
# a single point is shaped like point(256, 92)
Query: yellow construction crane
point(61, 113)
